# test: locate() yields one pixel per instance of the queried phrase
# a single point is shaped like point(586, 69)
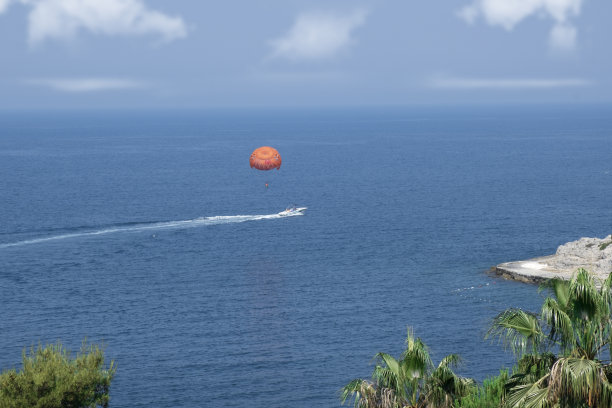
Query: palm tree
point(411, 381)
point(560, 351)
point(443, 386)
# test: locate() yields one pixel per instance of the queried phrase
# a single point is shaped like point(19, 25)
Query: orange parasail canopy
point(265, 158)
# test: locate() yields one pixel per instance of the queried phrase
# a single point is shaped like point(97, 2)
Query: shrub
point(50, 378)
point(489, 395)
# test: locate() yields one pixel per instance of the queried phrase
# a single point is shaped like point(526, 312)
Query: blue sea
point(147, 231)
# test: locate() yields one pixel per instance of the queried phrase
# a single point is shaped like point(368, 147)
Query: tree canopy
point(564, 359)
point(411, 381)
point(51, 378)
point(560, 351)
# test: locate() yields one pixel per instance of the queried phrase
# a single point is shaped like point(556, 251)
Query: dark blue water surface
point(103, 236)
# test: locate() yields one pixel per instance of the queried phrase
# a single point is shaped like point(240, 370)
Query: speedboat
point(293, 210)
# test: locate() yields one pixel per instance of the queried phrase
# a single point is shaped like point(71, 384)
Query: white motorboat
point(293, 210)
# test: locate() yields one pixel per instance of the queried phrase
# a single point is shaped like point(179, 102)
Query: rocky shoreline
point(592, 254)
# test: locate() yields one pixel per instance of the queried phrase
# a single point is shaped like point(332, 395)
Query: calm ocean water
point(121, 228)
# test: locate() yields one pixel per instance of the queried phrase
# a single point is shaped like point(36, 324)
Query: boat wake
point(147, 226)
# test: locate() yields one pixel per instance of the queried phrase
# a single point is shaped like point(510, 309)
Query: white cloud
point(508, 13)
point(506, 83)
point(79, 85)
point(4, 5)
point(318, 35)
point(64, 19)
point(563, 37)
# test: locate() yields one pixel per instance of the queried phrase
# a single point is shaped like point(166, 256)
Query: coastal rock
point(593, 254)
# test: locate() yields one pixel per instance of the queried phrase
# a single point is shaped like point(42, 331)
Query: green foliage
point(50, 378)
point(411, 381)
point(489, 395)
point(561, 362)
point(604, 245)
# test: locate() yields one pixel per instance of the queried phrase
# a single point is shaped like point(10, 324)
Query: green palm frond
point(606, 293)
point(443, 386)
point(576, 380)
point(362, 391)
point(452, 360)
point(522, 396)
point(416, 355)
point(466, 385)
point(532, 368)
point(606, 392)
point(518, 329)
point(560, 323)
point(539, 362)
point(609, 343)
point(560, 289)
point(538, 399)
point(390, 362)
point(585, 298)
point(385, 377)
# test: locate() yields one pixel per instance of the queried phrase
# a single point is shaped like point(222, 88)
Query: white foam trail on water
point(197, 222)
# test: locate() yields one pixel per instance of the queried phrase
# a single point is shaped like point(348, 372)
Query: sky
point(302, 53)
